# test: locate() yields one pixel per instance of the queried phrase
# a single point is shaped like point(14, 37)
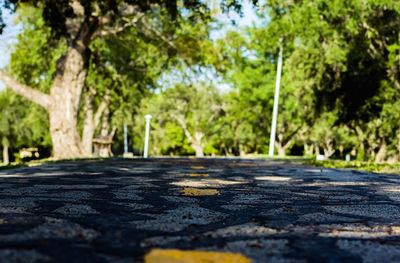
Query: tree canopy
point(96, 65)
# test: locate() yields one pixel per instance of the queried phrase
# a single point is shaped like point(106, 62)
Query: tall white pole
point(276, 100)
point(146, 137)
point(125, 138)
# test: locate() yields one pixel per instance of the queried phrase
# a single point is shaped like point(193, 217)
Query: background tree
point(22, 124)
point(187, 114)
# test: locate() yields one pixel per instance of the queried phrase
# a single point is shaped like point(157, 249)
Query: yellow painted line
point(192, 256)
point(197, 167)
point(198, 175)
point(214, 183)
point(395, 230)
point(190, 191)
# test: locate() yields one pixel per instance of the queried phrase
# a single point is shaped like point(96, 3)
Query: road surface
point(131, 210)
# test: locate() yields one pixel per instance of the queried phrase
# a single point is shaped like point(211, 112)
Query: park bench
point(103, 145)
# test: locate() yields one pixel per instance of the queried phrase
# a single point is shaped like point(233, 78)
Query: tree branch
point(29, 93)
point(100, 110)
point(105, 31)
point(159, 35)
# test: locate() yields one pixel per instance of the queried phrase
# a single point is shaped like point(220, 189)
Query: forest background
point(209, 93)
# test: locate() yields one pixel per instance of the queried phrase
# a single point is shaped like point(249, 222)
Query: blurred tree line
point(340, 84)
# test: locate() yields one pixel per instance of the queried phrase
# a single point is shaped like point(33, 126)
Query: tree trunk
point(197, 144)
point(6, 157)
point(328, 149)
point(63, 109)
point(198, 150)
point(91, 120)
point(196, 140)
point(308, 149)
point(280, 149)
point(381, 154)
point(242, 152)
point(88, 124)
point(105, 123)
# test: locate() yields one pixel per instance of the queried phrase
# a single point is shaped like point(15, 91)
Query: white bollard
point(146, 137)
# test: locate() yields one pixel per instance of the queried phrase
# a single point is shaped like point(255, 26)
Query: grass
point(21, 164)
point(357, 165)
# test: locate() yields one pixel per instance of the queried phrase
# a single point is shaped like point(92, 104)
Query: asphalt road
point(220, 210)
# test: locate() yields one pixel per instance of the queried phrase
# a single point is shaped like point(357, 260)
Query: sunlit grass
point(358, 165)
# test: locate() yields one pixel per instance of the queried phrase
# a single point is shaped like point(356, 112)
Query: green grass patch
point(357, 165)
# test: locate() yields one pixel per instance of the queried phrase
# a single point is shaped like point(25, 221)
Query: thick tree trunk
point(6, 157)
point(63, 109)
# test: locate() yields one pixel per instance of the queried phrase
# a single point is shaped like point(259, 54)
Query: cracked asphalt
point(120, 210)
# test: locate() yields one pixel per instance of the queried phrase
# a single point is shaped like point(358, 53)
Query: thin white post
point(146, 137)
point(125, 138)
point(276, 100)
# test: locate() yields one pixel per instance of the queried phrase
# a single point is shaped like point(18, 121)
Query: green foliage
point(22, 124)
point(33, 60)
